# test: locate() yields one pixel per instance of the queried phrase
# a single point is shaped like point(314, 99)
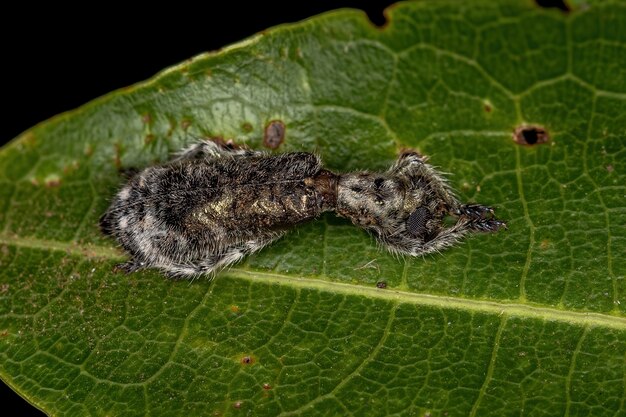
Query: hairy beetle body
point(215, 203)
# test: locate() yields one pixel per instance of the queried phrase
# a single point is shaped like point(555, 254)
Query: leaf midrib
point(577, 318)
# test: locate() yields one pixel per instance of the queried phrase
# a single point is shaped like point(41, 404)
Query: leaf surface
point(531, 321)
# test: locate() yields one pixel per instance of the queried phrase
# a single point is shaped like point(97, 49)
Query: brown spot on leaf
point(29, 139)
point(237, 405)
point(4, 333)
point(545, 244)
point(68, 169)
point(247, 360)
point(487, 107)
point(246, 127)
point(171, 128)
point(381, 284)
point(52, 181)
point(4, 288)
point(267, 386)
point(118, 155)
point(274, 134)
point(530, 135)
point(234, 309)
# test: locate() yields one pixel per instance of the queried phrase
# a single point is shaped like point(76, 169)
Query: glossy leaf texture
point(531, 321)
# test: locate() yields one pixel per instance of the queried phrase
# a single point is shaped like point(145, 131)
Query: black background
point(54, 60)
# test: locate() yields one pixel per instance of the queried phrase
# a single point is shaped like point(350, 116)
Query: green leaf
point(531, 321)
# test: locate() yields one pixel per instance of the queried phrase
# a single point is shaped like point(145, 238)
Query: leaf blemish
point(247, 360)
point(185, 124)
point(118, 155)
point(530, 135)
point(274, 134)
point(52, 181)
point(381, 284)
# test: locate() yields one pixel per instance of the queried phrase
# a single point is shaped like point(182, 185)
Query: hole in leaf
point(530, 135)
point(553, 4)
point(247, 360)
